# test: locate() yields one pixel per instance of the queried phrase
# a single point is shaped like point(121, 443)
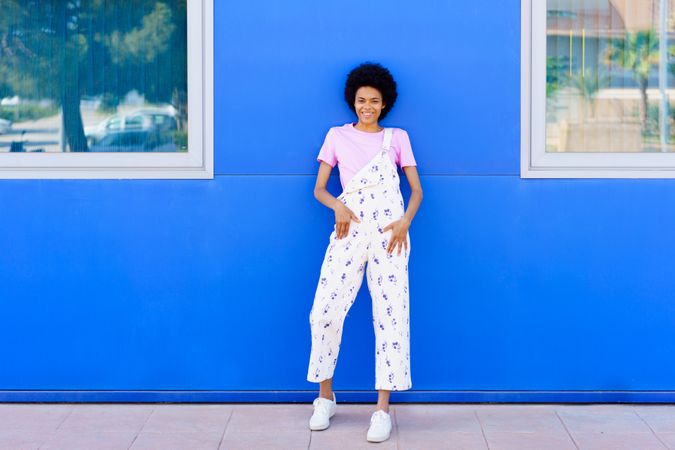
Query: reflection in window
point(608, 88)
point(93, 76)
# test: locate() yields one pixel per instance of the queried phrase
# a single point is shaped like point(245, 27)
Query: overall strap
point(386, 142)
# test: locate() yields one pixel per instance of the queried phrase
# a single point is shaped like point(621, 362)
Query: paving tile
point(440, 440)
point(520, 419)
point(668, 439)
point(150, 440)
point(33, 416)
point(332, 439)
point(23, 439)
point(277, 417)
point(99, 440)
point(188, 418)
point(271, 439)
point(601, 418)
point(661, 418)
point(115, 417)
point(617, 441)
point(506, 440)
point(416, 418)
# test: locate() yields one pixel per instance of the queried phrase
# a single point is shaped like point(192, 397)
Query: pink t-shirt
point(353, 149)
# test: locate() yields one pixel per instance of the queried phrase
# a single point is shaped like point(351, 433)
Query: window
point(133, 122)
point(118, 89)
point(597, 89)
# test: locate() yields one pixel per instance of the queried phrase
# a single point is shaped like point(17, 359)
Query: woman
point(371, 235)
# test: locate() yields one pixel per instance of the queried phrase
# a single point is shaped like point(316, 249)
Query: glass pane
point(93, 76)
point(608, 88)
point(133, 122)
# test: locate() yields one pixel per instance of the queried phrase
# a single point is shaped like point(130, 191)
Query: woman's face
point(368, 105)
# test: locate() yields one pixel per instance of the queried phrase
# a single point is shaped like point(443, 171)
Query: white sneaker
point(324, 409)
point(380, 427)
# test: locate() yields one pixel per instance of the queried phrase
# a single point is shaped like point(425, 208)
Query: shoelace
point(379, 417)
point(321, 406)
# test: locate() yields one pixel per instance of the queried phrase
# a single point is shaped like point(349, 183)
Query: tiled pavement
point(274, 426)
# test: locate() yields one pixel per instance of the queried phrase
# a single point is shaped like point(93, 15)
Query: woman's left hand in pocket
point(399, 235)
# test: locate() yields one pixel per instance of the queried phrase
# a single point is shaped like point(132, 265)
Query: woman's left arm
point(415, 192)
point(399, 229)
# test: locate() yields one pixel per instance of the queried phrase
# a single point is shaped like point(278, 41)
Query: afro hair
point(375, 76)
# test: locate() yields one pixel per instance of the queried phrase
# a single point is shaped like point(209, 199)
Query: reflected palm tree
point(639, 53)
point(588, 83)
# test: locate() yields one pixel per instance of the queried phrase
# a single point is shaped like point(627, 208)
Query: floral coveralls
point(374, 195)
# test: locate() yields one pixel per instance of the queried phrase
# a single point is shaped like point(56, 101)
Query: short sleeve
point(405, 156)
point(327, 152)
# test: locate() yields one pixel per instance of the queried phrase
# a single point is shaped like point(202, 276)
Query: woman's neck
point(373, 128)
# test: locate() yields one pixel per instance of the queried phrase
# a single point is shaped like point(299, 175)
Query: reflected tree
point(555, 73)
point(65, 49)
point(588, 83)
point(639, 53)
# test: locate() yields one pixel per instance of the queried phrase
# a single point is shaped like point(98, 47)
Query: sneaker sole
point(369, 439)
point(315, 428)
point(318, 428)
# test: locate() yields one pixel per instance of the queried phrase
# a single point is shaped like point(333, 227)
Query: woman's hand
point(343, 217)
point(399, 235)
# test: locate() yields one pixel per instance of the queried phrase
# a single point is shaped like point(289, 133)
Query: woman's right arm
point(343, 215)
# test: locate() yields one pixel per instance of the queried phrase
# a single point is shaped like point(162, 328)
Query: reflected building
point(594, 102)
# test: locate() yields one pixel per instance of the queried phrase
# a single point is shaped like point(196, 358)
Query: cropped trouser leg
point(387, 277)
point(339, 282)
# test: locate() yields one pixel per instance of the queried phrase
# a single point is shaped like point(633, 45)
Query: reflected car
point(141, 120)
point(5, 126)
point(135, 141)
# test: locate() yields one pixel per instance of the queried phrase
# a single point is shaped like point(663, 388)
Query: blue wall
point(552, 288)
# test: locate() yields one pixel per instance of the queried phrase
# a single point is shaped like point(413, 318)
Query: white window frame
point(196, 163)
point(535, 162)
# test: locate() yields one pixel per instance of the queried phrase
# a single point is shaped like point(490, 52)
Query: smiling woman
point(371, 230)
point(106, 84)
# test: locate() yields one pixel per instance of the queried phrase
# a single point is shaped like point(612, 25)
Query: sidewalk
point(274, 426)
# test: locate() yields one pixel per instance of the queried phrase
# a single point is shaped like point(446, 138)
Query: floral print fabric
point(374, 195)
